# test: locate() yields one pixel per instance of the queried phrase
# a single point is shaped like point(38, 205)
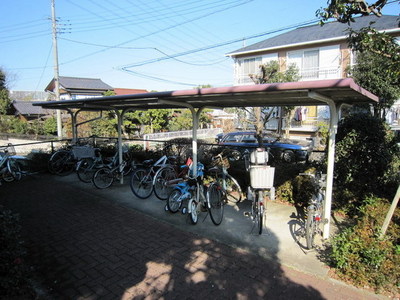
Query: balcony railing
point(305, 74)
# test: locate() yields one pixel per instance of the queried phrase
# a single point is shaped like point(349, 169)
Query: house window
point(251, 65)
point(310, 65)
point(321, 63)
point(248, 66)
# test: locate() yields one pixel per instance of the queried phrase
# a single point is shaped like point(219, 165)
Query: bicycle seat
point(173, 159)
point(148, 162)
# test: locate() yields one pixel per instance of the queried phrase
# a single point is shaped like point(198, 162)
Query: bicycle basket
point(224, 162)
point(83, 152)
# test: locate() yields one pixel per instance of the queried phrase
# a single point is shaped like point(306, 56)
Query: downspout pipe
point(334, 118)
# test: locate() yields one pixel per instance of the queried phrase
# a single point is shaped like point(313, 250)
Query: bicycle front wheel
point(14, 169)
point(310, 228)
point(162, 188)
point(141, 183)
point(233, 190)
point(85, 170)
point(215, 203)
point(103, 178)
point(61, 163)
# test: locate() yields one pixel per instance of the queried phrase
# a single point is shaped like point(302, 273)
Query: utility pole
point(56, 75)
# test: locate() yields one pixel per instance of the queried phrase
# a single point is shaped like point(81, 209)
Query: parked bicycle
point(62, 162)
point(9, 168)
point(142, 181)
point(261, 185)
point(103, 178)
point(231, 190)
point(168, 176)
point(315, 208)
point(87, 166)
point(204, 199)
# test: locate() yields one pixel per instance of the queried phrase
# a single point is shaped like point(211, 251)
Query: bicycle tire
point(85, 169)
point(260, 211)
point(310, 228)
point(163, 175)
point(194, 214)
point(215, 203)
point(103, 178)
point(61, 163)
point(14, 169)
point(233, 190)
point(173, 202)
point(141, 183)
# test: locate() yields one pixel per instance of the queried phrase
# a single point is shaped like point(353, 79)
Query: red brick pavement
point(86, 247)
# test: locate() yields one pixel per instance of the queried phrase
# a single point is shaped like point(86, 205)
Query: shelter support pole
point(119, 119)
point(334, 118)
point(74, 126)
point(195, 122)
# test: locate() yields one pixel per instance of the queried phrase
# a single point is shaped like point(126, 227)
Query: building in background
point(319, 52)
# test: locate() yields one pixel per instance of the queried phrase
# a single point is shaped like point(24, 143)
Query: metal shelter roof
point(273, 94)
point(322, 92)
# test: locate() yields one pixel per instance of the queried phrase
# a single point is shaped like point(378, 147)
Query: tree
point(378, 69)
point(344, 10)
point(269, 73)
point(378, 54)
point(4, 95)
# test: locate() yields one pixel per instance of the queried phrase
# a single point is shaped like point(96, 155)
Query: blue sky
point(143, 44)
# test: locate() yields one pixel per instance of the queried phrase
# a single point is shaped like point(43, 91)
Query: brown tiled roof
point(122, 91)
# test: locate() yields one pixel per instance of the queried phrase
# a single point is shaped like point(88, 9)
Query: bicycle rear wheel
point(193, 214)
point(141, 183)
point(260, 211)
point(173, 201)
point(161, 187)
point(310, 228)
point(85, 170)
point(233, 190)
point(103, 178)
point(215, 203)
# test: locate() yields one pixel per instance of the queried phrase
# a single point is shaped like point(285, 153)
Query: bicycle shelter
point(334, 92)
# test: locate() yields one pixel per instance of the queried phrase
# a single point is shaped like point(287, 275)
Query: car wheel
point(287, 156)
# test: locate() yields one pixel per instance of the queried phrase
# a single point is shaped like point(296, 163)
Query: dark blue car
point(280, 148)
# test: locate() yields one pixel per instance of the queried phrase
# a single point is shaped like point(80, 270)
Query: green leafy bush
point(360, 256)
point(13, 270)
point(366, 162)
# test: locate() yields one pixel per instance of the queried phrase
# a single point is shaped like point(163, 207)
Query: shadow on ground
point(84, 246)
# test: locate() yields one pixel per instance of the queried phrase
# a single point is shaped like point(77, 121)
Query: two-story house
point(79, 88)
point(319, 52)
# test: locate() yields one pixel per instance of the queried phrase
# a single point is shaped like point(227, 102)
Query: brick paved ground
point(86, 247)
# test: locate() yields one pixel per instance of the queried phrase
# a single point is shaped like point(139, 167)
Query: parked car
point(280, 148)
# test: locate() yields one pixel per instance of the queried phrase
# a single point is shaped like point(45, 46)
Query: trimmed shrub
point(360, 256)
point(367, 161)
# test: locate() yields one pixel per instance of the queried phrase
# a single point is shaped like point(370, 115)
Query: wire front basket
point(221, 162)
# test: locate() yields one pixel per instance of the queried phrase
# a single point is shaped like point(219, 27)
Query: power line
point(216, 45)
